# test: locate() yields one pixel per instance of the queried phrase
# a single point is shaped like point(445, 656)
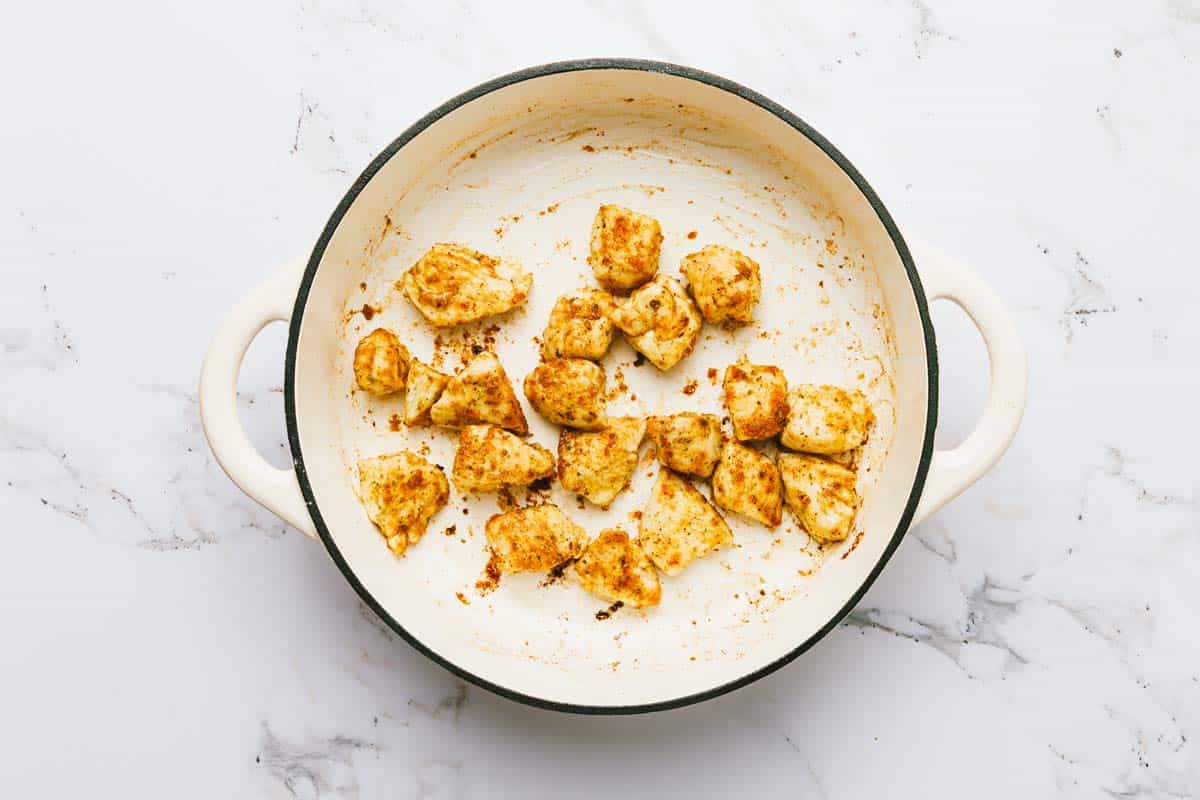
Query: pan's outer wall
point(575, 66)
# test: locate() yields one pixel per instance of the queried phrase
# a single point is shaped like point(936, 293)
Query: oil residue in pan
point(529, 192)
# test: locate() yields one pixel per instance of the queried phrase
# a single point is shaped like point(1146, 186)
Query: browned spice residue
point(690, 387)
point(831, 247)
point(363, 286)
point(462, 599)
point(712, 375)
point(588, 148)
point(491, 576)
point(692, 234)
point(394, 422)
point(853, 545)
point(505, 499)
point(450, 530)
point(638, 360)
point(367, 312)
point(556, 574)
point(619, 387)
point(540, 485)
point(605, 613)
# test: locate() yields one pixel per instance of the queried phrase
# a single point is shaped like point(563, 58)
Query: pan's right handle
point(952, 471)
point(274, 488)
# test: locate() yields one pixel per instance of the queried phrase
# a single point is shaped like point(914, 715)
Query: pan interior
point(519, 172)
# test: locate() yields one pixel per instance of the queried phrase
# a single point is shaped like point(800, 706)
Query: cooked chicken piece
point(614, 568)
point(820, 493)
point(401, 492)
point(568, 391)
point(452, 285)
point(480, 392)
point(425, 385)
point(579, 327)
point(678, 525)
point(725, 284)
point(687, 442)
point(599, 465)
point(533, 539)
point(660, 321)
point(624, 248)
point(826, 419)
point(747, 482)
point(489, 458)
point(757, 399)
point(380, 363)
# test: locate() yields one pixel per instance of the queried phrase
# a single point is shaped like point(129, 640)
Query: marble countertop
point(167, 637)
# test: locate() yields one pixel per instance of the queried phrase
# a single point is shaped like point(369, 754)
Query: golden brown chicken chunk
point(579, 327)
point(747, 482)
point(599, 464)
point(725, 283)
point(533, 539)
point(489, 458)
point(401, 492)
point(424, 387)
point(678, 525)
point(687, 442)
point(480, 393)
point(820, 493)
point(756, 396)
point(826, 419)
point(568, 391)
point(660, 321)
point(624, 248)
point(380, 363)
point(452, 285)
point(614, 568)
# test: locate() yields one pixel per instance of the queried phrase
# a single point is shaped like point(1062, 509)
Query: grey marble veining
point(166, 636)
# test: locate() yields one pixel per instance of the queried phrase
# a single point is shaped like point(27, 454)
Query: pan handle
point(952, 471)
point(274, 488)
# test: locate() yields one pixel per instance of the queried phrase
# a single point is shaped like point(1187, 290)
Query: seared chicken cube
point(615, 569)
point(725, 283)
point(757, 398)
point(479, 393)
point(424, 387)
point(687, 442)
point(826, 419)
point(678, 525)
point(599, 464)
point(660, 321)
point(401, 492)
point(489, 458)
point(820, 493)
point(380, 363)
point(452, 285)
point(579, 327)
point(568, 391)
point(533, 539)
point(624, 248)
point(747, 482)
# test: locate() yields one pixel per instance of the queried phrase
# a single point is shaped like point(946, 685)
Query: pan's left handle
point(274, 488)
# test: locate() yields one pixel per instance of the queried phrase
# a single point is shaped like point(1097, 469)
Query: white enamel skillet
point(517, 167)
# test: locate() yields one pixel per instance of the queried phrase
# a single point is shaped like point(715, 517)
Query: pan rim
point(622, 64)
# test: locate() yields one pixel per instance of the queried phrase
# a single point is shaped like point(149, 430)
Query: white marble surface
point(166, 637)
